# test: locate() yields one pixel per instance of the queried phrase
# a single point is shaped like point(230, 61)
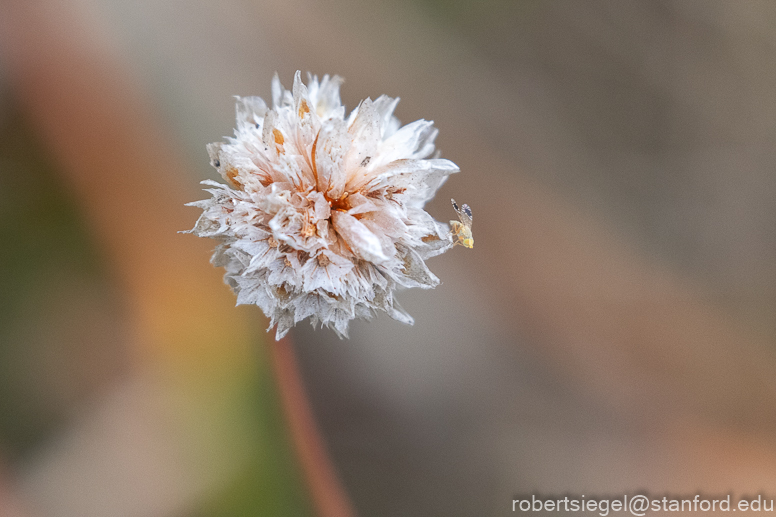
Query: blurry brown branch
point(10, 506)
point(327, 492)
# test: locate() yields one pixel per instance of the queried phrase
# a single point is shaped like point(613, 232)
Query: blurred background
point(613, 330)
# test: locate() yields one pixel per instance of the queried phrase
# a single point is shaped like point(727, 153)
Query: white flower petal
point(250, 112)
point(415, 273)
point(390, 225)
point(280, 96)
point(363, 243)
point(413, 141)
point(321, 207)
point(398, 313)
point(365, 137)
point(419, 179)
point(325, 96)
point(360, 204)
point(332, 144)
point(326, 272)
point(385, 107)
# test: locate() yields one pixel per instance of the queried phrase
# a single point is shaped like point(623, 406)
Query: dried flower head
point(322, 215)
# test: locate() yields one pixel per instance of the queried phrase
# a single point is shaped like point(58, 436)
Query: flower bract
point(321, 215)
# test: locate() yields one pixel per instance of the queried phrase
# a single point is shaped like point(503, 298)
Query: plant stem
point(328, 494)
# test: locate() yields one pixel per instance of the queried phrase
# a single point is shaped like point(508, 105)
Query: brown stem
point(328, 494)
point(10, 503)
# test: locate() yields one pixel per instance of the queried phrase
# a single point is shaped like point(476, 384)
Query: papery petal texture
point(320, 215)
